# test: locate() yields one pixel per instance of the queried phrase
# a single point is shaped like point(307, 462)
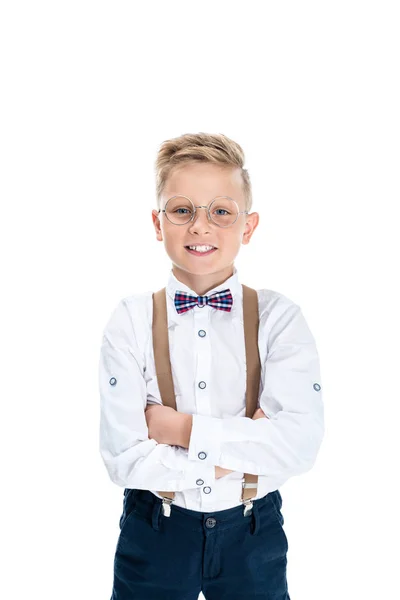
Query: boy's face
point(202, 182)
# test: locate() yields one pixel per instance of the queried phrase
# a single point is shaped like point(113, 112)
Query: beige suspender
point(165, 381)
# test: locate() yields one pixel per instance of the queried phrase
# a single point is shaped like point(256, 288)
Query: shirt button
point(207, 490)
point(113, 381)
point(199, 482)
point(201, 332)
point(202, 455)
point(211, 522)
point(316, 387)
point(202, 384)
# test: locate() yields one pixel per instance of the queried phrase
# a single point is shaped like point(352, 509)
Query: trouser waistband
point(148, 506)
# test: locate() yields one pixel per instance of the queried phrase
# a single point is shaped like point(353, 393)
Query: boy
point(210, 397)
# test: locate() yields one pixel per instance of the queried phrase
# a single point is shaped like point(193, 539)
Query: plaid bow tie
point(222, 300)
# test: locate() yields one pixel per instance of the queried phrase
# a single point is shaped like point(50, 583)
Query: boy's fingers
point(259, 414)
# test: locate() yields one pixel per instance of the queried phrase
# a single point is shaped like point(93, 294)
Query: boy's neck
point(201, 284)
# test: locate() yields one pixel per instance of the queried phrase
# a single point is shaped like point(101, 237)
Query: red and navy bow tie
point(222, 300)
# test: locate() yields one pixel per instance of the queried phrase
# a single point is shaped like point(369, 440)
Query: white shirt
point(207, 347)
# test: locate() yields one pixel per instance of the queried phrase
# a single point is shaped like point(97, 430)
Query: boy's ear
point(156, 222)
point(251, 225)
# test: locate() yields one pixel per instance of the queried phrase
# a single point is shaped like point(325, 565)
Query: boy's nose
point(201, 216)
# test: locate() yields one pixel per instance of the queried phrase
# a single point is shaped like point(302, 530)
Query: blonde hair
point(203, 147)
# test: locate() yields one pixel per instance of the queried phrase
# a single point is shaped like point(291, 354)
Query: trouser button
point(211, 522)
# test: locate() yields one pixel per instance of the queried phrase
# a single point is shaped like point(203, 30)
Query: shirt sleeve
point(287, 442)
point(130, 457)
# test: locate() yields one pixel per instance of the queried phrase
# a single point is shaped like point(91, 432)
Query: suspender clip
point(248, 508)
point(166, 506)
point(248, 504)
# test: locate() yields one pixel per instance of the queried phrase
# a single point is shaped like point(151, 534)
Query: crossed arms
point(168, 426)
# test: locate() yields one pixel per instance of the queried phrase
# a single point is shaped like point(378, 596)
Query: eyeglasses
point(223, 210)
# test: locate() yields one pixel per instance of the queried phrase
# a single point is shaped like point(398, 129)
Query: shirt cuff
point(205, 440)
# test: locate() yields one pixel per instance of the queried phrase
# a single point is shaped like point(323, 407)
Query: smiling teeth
point(201, 248)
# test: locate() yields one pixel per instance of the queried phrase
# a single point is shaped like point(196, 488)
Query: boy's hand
point(219, 471)
point(166, 425)
point(259, 414)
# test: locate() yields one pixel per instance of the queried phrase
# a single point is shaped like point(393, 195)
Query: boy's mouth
point(202, 253)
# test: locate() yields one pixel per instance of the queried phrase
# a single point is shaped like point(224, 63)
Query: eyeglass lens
point(223, 211)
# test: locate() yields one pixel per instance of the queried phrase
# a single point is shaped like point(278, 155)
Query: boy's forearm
point(184, 427)
point(184, 430)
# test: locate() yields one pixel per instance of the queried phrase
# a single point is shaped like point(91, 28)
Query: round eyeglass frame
point(239, 212)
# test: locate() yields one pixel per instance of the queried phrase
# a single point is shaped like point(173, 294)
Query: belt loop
point(156, 512)
point(255, 518)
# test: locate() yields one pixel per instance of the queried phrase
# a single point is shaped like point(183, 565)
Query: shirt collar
point(173, 285)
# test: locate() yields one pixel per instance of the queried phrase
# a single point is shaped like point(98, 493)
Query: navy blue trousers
point(222, 554)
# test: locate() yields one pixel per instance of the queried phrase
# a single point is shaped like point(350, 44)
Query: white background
point(89, 90)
